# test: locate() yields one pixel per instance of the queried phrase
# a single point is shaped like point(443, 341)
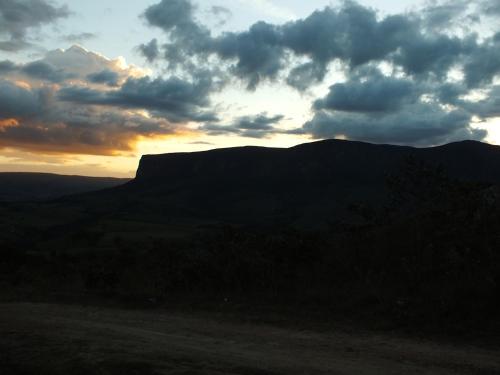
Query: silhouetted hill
point(306, 184)
point(43, 186)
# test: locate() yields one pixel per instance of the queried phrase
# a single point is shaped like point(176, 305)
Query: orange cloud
point(117, 144)
point(8, 123)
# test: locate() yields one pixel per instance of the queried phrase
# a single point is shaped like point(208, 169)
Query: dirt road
point(56, 339)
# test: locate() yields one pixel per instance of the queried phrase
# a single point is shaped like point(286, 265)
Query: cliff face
point(306, 183)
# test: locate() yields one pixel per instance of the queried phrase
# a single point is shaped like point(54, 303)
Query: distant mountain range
point(44, 186)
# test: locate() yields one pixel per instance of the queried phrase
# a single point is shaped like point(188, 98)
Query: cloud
point(171, 14)
point(38, 122)
point(434, 55)
point(44, 71)
point(13, 45)
point(438, 16)
point(351, 33)
point(187, 36)
point(490, 7)
point(76, 64)
point(80, 63)
point(174, 99)
point(85, 132)
point(485, 108)
point(19, 102)
point(406, 78)
point(400, 110)
point(221, 15)
point(258, 53)
point(7, 66)
point(421, 125)
point(33, 118)
point(150, 50)
point(303, 76)
point(484, 64)
point(105, 76)
point(18, 17)
point(417, 103)
point(377, 94)
point(259, 126)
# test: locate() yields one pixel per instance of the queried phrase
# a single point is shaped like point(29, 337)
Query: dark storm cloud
point(259, 126)
point(17, 17)
point(423, 124)
point(378, 94)
point(107, 77)
point(175, 99)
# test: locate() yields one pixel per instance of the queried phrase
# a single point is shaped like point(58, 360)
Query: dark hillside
point(44, 186)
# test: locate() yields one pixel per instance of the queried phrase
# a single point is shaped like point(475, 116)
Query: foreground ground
point(58, 339)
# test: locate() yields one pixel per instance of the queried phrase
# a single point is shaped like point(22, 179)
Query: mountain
point(306, 184)
point(44, 186)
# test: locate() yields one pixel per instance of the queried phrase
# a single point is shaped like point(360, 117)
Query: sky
point(87, 87)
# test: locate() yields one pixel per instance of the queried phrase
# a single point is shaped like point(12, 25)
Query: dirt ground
point(57, 339)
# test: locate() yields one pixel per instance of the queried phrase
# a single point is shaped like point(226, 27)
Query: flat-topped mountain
point(43, 186)
point(300, 184)
point(319, 161)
